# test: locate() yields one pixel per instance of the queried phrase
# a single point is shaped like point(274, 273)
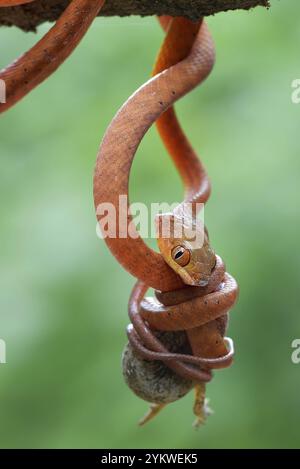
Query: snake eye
point(181, 255)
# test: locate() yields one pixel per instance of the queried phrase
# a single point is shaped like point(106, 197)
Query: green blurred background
point(64, 297)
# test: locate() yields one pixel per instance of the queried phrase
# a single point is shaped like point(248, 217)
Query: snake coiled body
point(185, 60)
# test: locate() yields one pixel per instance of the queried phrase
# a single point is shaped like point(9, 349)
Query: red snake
point(33, 67)
point(185, 60)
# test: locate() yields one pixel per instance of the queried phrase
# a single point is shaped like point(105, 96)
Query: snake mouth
point(193, 280)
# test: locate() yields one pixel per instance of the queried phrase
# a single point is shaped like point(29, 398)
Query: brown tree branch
point(29, 16)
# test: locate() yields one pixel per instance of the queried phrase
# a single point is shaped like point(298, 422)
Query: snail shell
point(153, 381)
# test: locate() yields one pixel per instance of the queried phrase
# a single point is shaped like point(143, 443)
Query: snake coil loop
point(183, 310)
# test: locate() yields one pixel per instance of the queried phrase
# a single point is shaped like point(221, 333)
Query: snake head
point(184, 245)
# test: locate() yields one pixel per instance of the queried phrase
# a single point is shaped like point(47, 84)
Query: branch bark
point(29, 16)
